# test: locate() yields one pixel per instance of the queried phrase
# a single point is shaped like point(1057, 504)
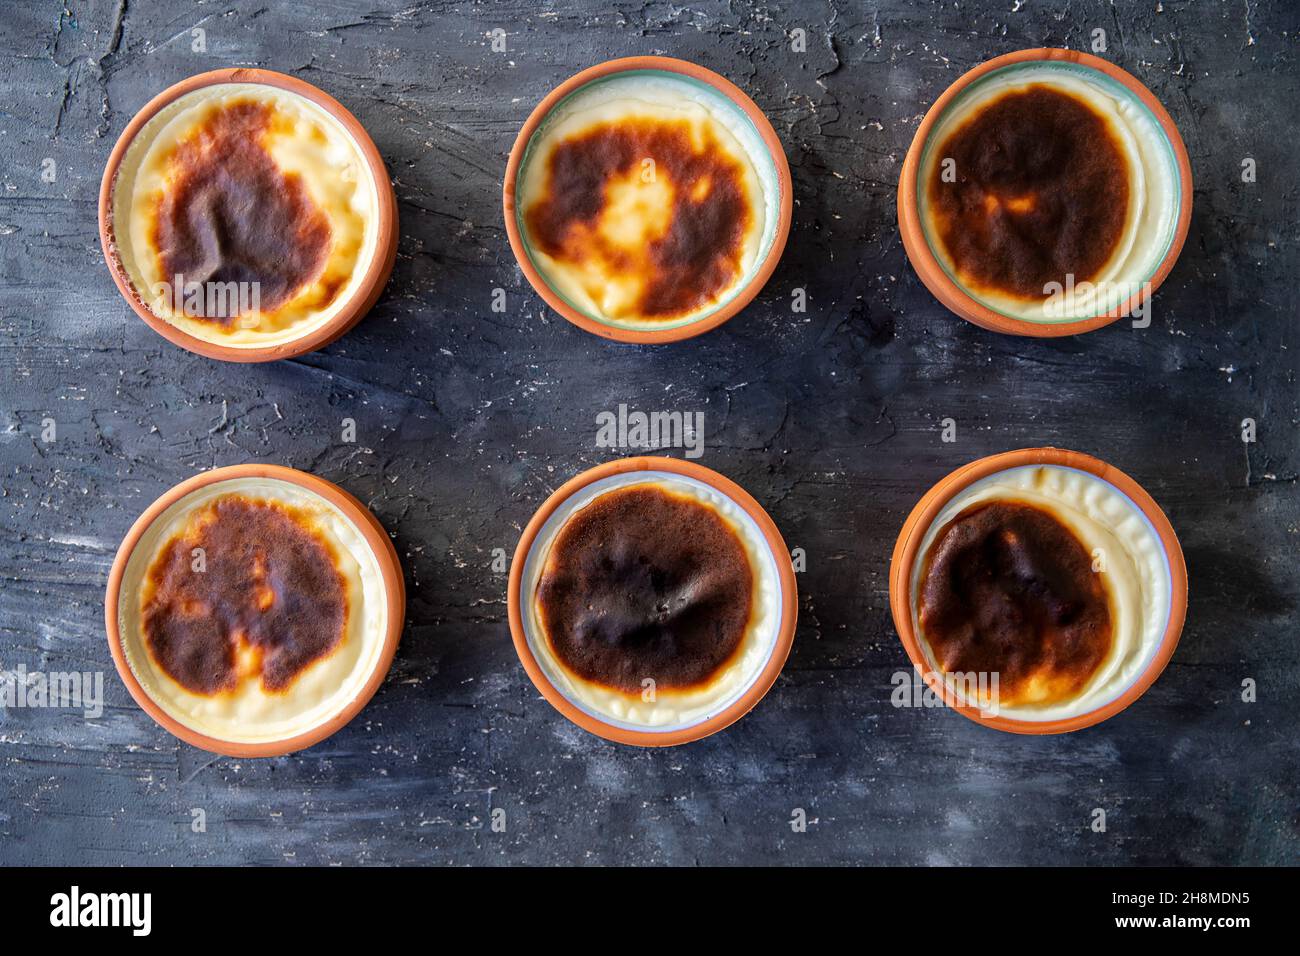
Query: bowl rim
point(372, 282)
point(762, 125)
point(922, 517)
point(785, 574)
point(390, 572)
point(955, 298)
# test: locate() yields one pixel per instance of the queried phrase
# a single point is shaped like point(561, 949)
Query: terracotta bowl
point(367, 290)
point(761, 125)
point(934, 276)
point(393, 586)
point(785, 573)
point(906, 554)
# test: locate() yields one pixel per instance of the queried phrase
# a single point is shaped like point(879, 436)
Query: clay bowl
point(932, 504)
point(936, 277)
point(776, 155)
point(393, 589)
point(648, 737)
point(359, 301)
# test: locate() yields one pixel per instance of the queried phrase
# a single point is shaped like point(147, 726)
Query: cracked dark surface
point(466, 418)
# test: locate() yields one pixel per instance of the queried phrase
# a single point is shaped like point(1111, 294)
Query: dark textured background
point(467, 419)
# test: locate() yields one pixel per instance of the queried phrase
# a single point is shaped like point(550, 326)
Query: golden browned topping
point(1007, 588)
point(645, 584)
point(263, 598)
point(644, 201)
point(1041, 191)
point(230, 214)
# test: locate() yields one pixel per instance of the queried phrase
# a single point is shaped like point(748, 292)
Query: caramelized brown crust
point(1007, 588)
point(644, 584)
point(230, 214)
point(698, 256)
point(1041, 191)
point(270, 601)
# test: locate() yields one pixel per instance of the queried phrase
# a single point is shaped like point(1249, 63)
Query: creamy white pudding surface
point(671, 709)
point(1137, 573)
point(242, 183)
point(1154, 190)
point(250, 713)
point(611, 191)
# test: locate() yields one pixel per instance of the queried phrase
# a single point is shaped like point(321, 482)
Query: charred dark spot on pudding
point(690, 250)
point(264, 598)
point(1041, 190)
point(1008, 589)
point(230, 214)
point(645, 584)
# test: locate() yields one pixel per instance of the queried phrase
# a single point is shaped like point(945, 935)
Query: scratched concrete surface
point(468, 418)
